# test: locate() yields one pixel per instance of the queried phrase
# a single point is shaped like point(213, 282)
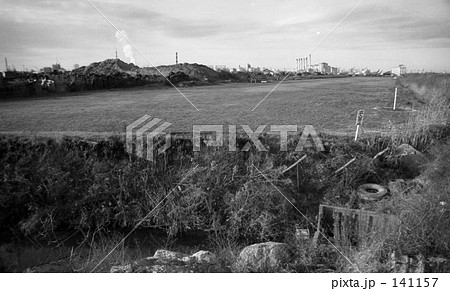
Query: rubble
point(164, 261)
point(268, 256)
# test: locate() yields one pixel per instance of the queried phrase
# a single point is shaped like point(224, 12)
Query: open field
point(327, 104)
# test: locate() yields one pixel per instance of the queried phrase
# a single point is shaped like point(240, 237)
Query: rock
point(189, 260)
point(269, 256)
point(411, 160)
point(397, 187)
point(205, 257)
point(164, 261)
point(168, 255)
point(121, 269)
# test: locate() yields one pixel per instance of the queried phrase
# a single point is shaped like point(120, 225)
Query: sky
point(379, 34)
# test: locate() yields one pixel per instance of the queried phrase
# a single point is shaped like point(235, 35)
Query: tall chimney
point(6, 64)
point(176, 58)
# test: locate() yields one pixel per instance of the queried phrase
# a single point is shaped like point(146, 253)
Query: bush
point(425, 212)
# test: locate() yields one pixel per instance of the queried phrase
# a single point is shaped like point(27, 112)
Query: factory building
point(221, 68)
point(399, 71)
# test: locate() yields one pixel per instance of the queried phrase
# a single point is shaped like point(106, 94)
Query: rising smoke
point(127, 48)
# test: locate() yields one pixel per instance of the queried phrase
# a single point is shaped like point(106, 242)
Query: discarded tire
point(371, 192)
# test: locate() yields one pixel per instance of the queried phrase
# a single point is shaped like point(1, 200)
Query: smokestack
point(176, 58)
point(6, 64)
point(310, 60)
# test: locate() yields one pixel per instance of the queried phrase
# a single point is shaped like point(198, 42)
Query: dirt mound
point(107, 67)
point(194, 71)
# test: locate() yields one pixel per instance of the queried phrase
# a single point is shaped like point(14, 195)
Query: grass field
point(327, 104)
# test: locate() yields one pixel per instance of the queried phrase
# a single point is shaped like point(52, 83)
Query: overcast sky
point(379, 34)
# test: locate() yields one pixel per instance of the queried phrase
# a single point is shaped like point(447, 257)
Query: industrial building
point(398, 71)
point(219, 68)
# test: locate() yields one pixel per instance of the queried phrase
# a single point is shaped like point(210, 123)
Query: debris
point(164, 261)
point(353, 227)
point(301, 234)
point(294, 164)
point(121, 269)
point(380, 153)
point(205, 257)
point(168, 255)
point(345, 166)
point(371, 192)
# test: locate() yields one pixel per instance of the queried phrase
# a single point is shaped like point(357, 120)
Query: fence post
point(395, 98)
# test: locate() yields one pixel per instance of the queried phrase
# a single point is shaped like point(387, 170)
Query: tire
point(371, 192)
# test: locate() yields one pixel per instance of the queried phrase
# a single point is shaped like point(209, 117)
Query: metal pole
point(395, 98)
point(356, 133)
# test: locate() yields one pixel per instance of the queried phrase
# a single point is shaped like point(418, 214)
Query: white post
point(356, 133)
point(395, 97)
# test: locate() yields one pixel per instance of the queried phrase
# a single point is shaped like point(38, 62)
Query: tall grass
point(428, 86)
point(431, 122)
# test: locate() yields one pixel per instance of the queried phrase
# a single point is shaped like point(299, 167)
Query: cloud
point(184, 26)
point(375, 25)
point(203, 30)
